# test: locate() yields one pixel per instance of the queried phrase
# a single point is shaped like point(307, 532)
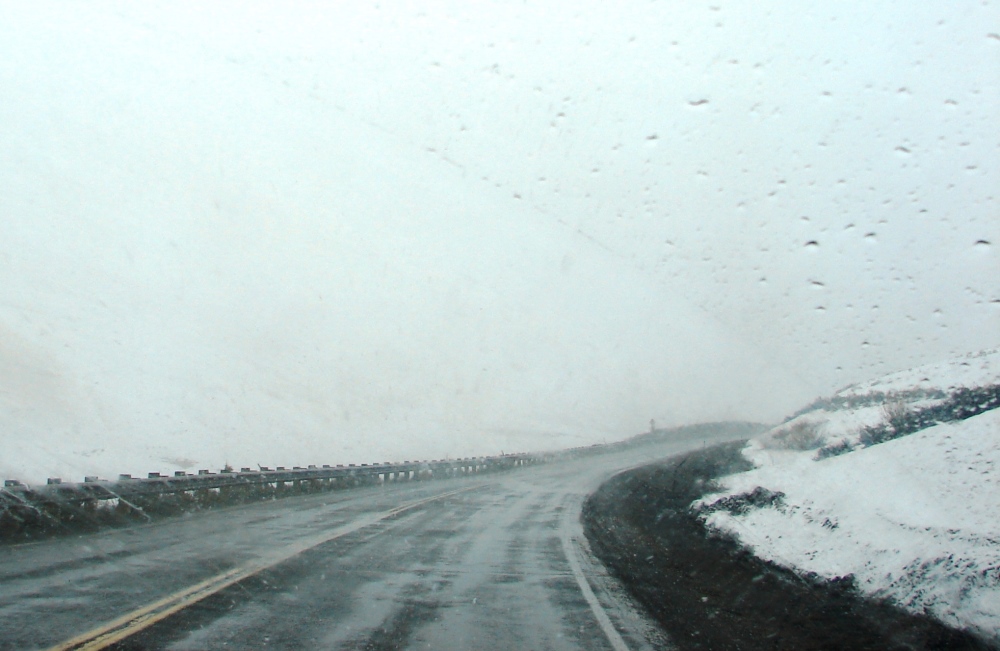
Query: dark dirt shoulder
point(708, 593)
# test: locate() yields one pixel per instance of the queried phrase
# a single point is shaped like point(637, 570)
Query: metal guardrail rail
point(57, 506)
point(92, 489)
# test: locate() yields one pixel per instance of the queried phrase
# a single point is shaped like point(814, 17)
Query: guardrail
point(156, 483)
point(57, 506)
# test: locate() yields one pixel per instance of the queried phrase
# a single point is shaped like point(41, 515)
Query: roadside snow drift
point(912, 519)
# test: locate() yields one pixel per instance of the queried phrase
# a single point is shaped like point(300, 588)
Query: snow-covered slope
point(912, 519)
point(840, 420)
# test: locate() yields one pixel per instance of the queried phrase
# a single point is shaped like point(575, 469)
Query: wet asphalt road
point(487, 562)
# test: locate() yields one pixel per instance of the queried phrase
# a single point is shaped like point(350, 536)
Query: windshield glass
point(263, 235)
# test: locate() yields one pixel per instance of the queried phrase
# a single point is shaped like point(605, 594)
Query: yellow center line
point(137, 620)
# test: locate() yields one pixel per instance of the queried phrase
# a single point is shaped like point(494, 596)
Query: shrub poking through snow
point(758, 498)
point(868, 399)
point(799, 435)
point(898, 419)
point(834, 450)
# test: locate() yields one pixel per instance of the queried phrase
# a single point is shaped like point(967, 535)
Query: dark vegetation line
point(962, 403)
point(709, 593)
point(869, 399)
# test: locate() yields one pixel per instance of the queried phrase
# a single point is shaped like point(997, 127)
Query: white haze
point(302, 232)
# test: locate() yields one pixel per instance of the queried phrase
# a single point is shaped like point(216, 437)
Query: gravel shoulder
point(708, 593)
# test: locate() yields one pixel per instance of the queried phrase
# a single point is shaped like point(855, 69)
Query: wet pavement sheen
point(486, 568)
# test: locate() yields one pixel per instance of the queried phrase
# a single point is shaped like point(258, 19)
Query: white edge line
point(617, 643)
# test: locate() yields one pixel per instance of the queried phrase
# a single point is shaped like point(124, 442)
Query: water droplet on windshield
point(812, 245)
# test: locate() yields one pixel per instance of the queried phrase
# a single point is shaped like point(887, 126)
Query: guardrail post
point(110, 502)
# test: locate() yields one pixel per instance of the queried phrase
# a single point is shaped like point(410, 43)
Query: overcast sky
point(305, 232)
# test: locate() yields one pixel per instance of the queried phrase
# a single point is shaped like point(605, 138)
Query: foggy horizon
point(290, 233)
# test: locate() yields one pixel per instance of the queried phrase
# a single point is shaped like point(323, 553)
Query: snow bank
point(973, 370)
point(912, 519)
point(841, 418)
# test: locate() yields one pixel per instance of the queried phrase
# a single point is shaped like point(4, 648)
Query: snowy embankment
point(847, 488)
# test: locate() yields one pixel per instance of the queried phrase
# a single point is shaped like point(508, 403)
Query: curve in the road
point(493, 561)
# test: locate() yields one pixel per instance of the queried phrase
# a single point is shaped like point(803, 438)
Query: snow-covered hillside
point(913, 519)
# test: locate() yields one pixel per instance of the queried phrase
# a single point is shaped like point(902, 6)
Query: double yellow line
point(144, 617)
